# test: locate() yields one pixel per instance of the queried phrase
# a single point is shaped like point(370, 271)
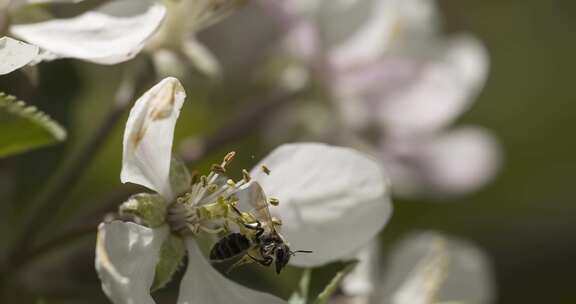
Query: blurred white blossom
point(453, 162)
point(396, 83)
point(118, 30)
point(176, 43)
point(112, 33)
point(15, 54)
point(423, 268)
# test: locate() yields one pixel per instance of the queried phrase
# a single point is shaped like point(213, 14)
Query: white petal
point(370, 39)
point(201, 58)
point(429, 266)
point(360, 282)
point(15, 54)
point(203, 284)
point(463, 160)
point(413, 95)
point(457, 162)
point(148, 137)
point(126, 258)
point(324, 191)
point(412, 21)
point(470, 60)
point(113, 33)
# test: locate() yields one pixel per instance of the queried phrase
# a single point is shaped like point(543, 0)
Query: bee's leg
point(258, 228)
point(243, 261)
point(238, 212)
point(265, 262)
point(213, 231)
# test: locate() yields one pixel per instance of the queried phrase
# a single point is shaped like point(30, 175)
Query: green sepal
point(180, 178)
point(300, 296)
point(24, 127)
point(147, 207)
point(333, 285)
point(171, 256)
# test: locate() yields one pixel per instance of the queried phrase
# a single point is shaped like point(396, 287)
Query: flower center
point(210, 205)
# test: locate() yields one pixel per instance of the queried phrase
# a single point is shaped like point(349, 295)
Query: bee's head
point(283, 254)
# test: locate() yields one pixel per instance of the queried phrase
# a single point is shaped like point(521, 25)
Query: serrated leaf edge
point(12, 105)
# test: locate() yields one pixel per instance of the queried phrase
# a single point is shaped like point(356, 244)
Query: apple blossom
point(322, 190)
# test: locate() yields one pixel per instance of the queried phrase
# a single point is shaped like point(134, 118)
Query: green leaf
point(171, 255)
point(23, 128)
point(325, 295)
point(300, 296)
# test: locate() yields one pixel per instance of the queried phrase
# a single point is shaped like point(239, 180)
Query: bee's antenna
point(300, 251)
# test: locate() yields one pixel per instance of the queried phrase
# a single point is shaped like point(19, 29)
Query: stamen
point(218, 169)
point(231, 183)
point(195, 177)
point(228, 158)
point(246, 176)
point(265, 170)
point(273, 201)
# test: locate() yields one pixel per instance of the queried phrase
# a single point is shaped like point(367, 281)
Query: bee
point(265, 245)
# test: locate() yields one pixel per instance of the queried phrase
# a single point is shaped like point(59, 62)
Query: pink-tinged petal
point(454, 163)
point(406, 95)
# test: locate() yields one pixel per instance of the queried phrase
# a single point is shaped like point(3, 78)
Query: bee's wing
point(258, 205)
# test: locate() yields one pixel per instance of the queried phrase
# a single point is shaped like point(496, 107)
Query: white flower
point(15, 54)
point(112, 33)
point(423, 268)
point(405, 95)
point(323, 190)
point(359, 31)
point(396, 84)
point(127, 253)
point(176, 38)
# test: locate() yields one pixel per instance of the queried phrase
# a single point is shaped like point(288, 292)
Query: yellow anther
point(273, 201)
point(265, 170)
point(228, 158)
point(246, 176)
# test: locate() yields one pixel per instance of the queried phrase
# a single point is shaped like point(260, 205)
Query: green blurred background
point(525, 220)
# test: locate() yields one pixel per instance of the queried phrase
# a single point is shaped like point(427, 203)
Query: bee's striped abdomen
point(229, 247)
